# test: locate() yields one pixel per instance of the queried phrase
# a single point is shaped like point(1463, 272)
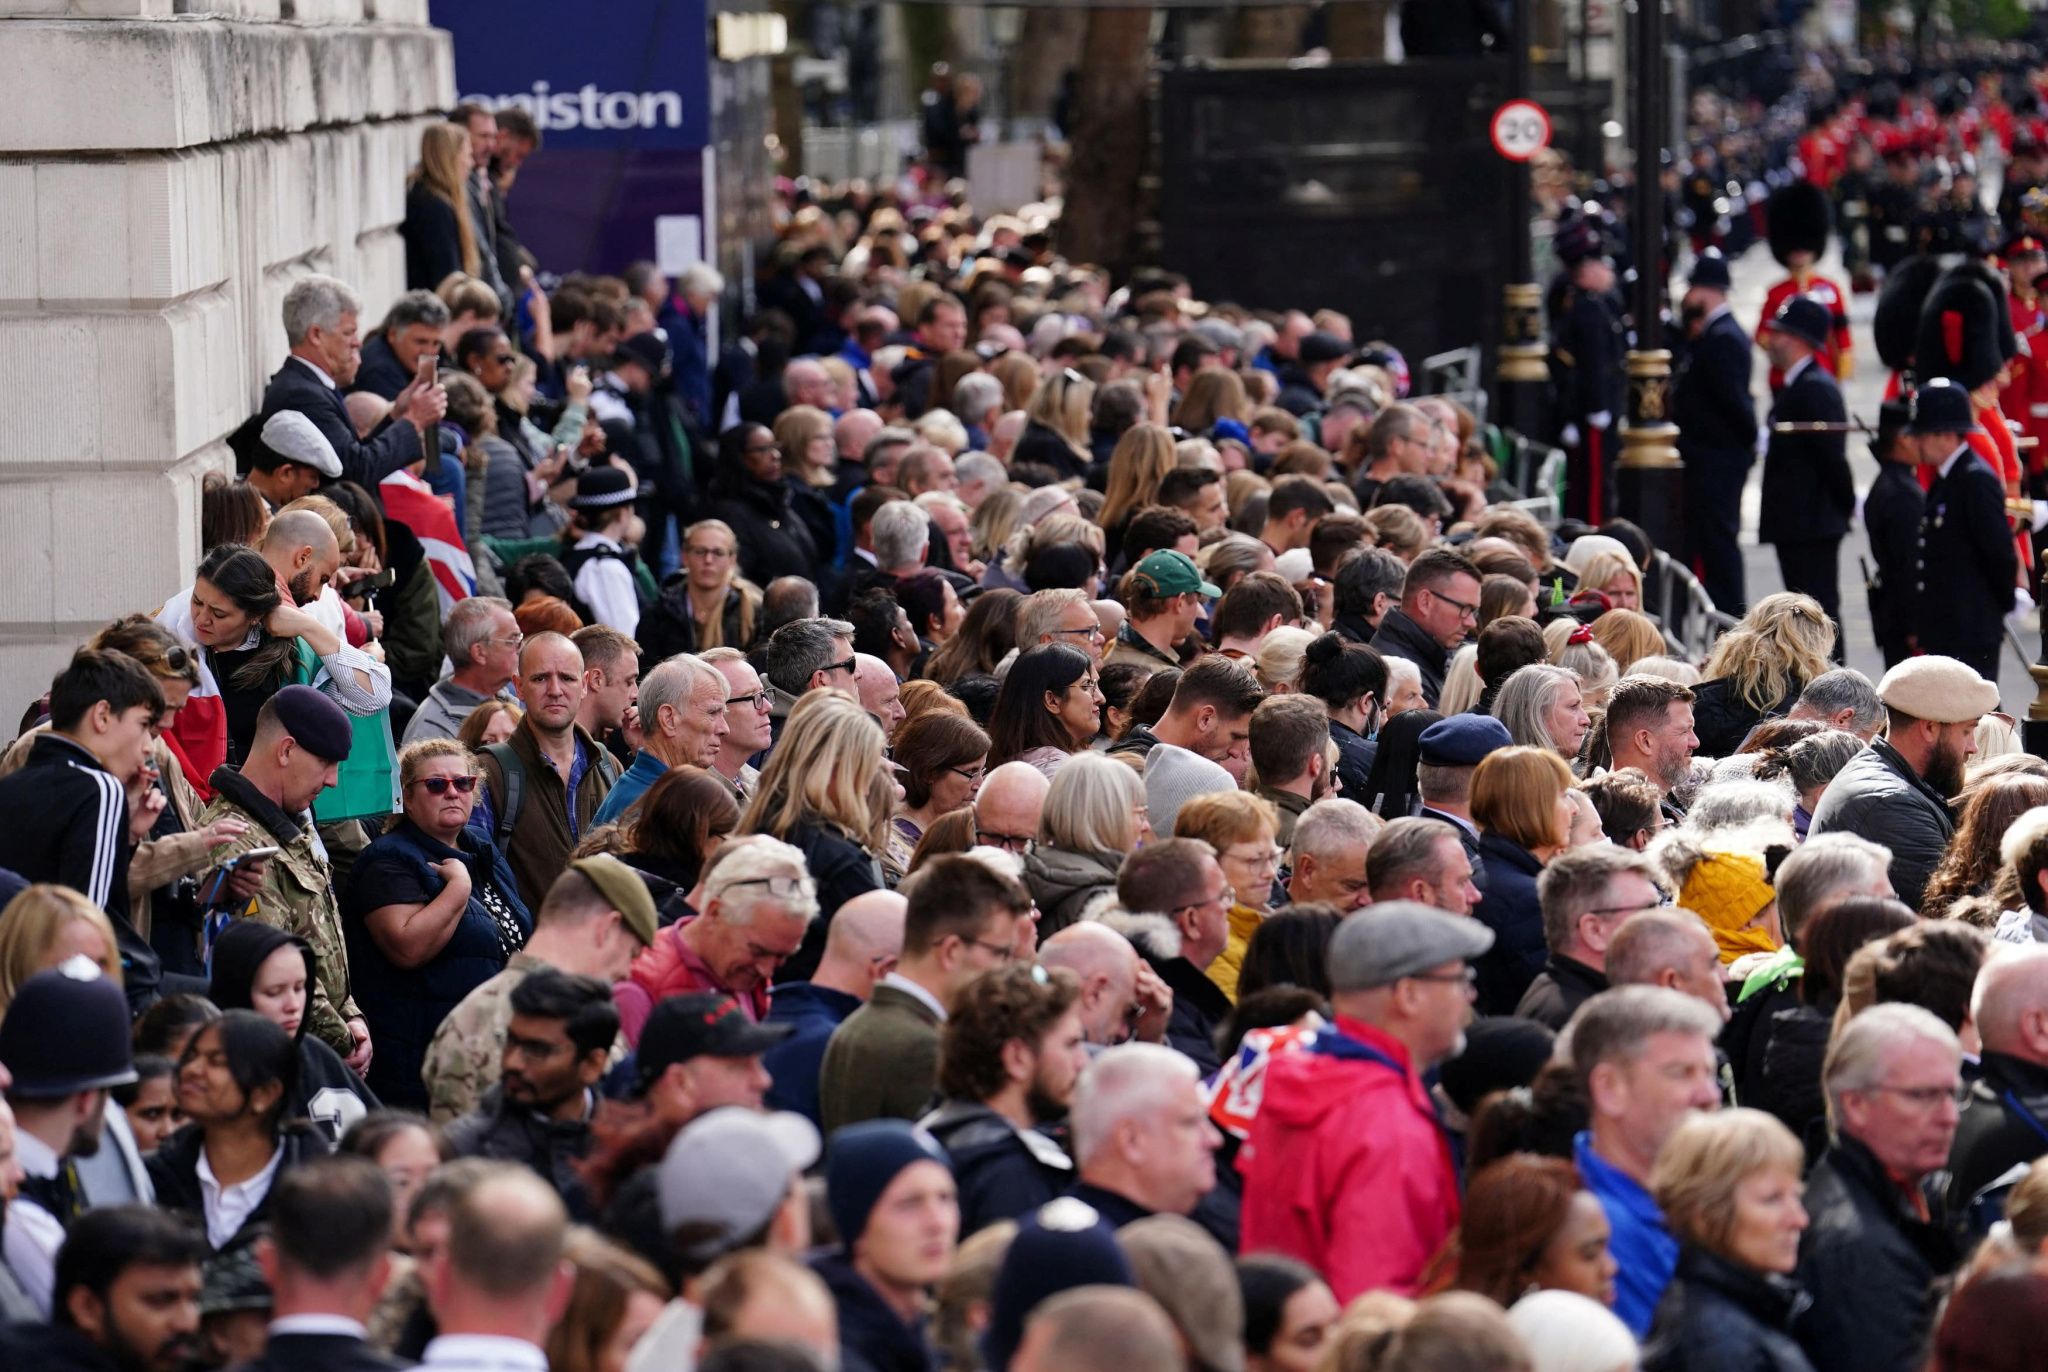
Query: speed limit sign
point(1521, 129)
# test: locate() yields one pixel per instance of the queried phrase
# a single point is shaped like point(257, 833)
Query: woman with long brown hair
point(1143, 456)
point(984, 638)
point(439, 238)
point(1213, 393)
point(1971, 865)
point(1528, 1225)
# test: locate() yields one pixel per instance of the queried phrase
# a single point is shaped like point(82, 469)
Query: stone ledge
point(194, 81)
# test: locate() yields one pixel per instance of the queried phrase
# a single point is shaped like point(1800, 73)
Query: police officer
point(65, 1042)
point(1807, 493)
point(1967, 567)
point(1891, 517)
point(1716, 429)
point(1589, 348)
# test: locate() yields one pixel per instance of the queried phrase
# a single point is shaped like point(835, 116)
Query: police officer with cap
point(1447, 752)
point(1808, 496)
point(65, 1042)
point(1891, 518)
point(1587, 353)
point(1717, 430)
point(1967, 568)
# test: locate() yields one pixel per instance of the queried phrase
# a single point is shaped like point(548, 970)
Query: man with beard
point(1896, 792)
point(1649, 728)
point(300, 548)
point(556, 1048)
point(1291, 751)
point(1013, 1048)
point(127, 1297)
point(64, 1042)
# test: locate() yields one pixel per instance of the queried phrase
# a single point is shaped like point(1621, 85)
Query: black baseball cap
point(699, 1025)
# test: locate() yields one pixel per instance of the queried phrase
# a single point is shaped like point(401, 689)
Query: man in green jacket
point(963, 919)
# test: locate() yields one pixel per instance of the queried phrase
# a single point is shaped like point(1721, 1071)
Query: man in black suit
point(1717, 430)
point(391, 356)
point(1891, 517)
point(321, 321)
point(1808, 495)
point(326, 1259)
point(1968, 566)
point(1587, 355)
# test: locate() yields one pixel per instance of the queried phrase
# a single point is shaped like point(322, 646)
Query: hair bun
point(1326, 648)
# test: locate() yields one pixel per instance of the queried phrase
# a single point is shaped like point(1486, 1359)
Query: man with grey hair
point(1421, 860)
point(1332, 841)
point(482, 642)
point(803, 656)
point(1348, 1166)
point(1878, 1236)
point(1825, 869)
point(1646, 1058)
point(758, 902)
point(901, 533)
point(1060, 616)
point(785, 600)
point(321, 324)
point(980, 477)
point(1587, 894)
point(1669, 948)
point(884, 454)
point(1842, 699)
point(682, 724)
point(1141, 1134)
point(978, 400)
point(391, 357)
point(2001, 1133)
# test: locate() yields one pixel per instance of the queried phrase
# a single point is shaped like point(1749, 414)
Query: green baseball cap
point(1169, 573)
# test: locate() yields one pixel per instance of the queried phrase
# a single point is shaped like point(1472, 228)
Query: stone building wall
point(167, 170)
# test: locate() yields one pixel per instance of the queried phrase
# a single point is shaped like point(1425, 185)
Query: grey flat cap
point(1383, 943)
point(296, 438)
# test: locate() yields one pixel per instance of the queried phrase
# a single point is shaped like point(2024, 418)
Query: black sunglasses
point(438, 786)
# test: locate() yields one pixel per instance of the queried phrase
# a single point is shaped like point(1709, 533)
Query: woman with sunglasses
point(433, 912)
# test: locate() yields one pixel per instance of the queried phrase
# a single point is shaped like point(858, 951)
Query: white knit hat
point(1173, 777)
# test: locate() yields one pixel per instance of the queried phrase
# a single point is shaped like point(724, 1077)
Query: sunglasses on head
point(438, 786)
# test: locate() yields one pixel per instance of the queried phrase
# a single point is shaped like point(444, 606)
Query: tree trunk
point(1048, 46)
point(1111, 129)
point(1267, 31)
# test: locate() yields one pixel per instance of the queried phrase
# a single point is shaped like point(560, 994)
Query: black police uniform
point(1808, 495)
point(1891, 517)
point(1592, 344)
point(1716, 421)
point(1967, 567)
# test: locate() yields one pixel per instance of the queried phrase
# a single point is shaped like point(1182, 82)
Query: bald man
point(2005, 1125)
point(1121, 996)
point(1002, 438)
point(1672, 949)
point(760, 1294)
point(501, 1274)
point(300, 547)
point(806, 382)
point(1007, 808)
point(862, 946)
point(881, 694)
point(850, 437)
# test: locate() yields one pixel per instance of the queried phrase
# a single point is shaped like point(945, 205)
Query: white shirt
point(1792, 372)
point(32, 1235)
point(484, 1353)
point(605, 584)
point(1958, 455)
point(340, 1326)
point(915, 992)
point(317, 370)
point(229, 1207)
point(670, 1343)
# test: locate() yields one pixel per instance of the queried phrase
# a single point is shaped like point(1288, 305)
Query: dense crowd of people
point(993, 823)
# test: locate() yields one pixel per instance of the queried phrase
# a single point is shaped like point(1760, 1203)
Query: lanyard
point(2027, 1116)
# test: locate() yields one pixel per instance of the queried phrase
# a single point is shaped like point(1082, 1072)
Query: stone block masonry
point(167, 169)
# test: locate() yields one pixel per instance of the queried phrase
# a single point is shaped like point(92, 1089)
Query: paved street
point(1754, 274)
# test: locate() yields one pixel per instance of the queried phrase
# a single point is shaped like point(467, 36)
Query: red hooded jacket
point(670, 967)
point(1347, 1167)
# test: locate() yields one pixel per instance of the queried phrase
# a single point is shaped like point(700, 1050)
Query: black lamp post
point(1524, 370)
point(1649, 477)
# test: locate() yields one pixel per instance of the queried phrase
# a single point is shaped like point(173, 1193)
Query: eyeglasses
point(1927, 1097)
point(1464, 611)
point(503, 359)
point(1002, 952)
point(782, 888)
point(1268, 859)
point(756, 702)
point(516, 640)
point(1464, 976)
point(1092, 631)
point(438, 786)
point(1009, 843)
point(715, 554)
point(965, 775)
point(1225, 896)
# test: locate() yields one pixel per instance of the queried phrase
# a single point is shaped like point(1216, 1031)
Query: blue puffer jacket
point(1509, 908)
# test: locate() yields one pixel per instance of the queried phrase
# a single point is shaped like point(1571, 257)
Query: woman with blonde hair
point(1615, 576)
point(1213, 393)
point(1759, 667)
point(1462, 686)
point(708, 604)
point(1280, 657)
point(1729, 1184)
point(804, 433)
point(616, 1299)
point(439, 238)
point(1019, 375)
point(1572, 645)
point(1520, 801)
point(1629, 637)
point(1399, 530)
point(994, 520)
point(1093, 817)
point(1244, 829)
point(1542, 707)
point(1142, 457)
point(1056, 425)
point(818, 794)
point(44, 926)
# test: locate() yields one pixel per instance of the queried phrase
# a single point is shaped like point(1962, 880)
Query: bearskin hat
point(1959, 333)
point(1976, 270)
point(1797, 218)
point(1896, 326)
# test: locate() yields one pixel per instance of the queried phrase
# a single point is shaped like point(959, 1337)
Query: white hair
point(900, 532)
point(1733, 804)
point(748, 867)
point(673, 682)
point(701, 278)
point(973, 467)
point(975, 394)
point(934, 500)
point(2022, 834)
point(942, 429)
point(1567, 1332)
point(1332, 826)
point(1400, 668)
point(317, 302)
point(1125, 1083)
point(1525, 700)
point(1860, 1057)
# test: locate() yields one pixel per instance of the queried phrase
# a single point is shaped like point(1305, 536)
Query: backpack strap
point(514, 772)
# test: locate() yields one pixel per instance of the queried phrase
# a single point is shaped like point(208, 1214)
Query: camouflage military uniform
point(464, 1059)
point(297, 895)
